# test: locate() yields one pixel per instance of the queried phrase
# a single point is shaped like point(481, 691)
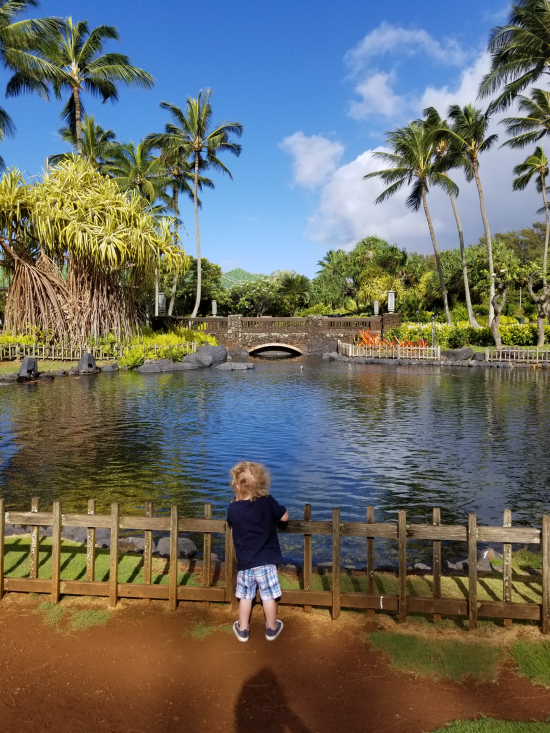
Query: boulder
point(76, 534)
point(138, 543)
point(325, 356)
point(218, 353)
point(422, 567)
point(104, 543)
point(233, 366)
point(87, 365)
point(479, 356)
point(186, 548)
point(149, 368)
point(177, 366)
point(243, 353)
point(334, 356)
point(59, 373)
point(8, 377)
point(28, 369)
point(13, 531)
point(102, 533)
point(110, 368)
point(199, 359)
point(458, 354)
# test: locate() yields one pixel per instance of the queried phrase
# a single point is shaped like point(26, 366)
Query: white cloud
point(464, 92)
point(314, 158)
point(399, 41)
point(377, 97)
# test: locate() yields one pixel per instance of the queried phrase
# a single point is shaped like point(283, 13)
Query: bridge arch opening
point(275, 351)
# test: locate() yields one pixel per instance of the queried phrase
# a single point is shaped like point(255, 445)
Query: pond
point(332, 434)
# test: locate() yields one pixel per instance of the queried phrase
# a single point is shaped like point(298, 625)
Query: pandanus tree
point(535, 166)
point(193, 134)
point(520, 52)
point(468, 131)
point(70, 59)
point(97, 144)
point(412, 162)
point(76, 249)
point(449, 158)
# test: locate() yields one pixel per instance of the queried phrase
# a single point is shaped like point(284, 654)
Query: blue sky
point(315, 84)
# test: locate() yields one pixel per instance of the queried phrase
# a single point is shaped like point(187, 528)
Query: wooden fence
point(67, 352)
point(402, 603)
point(515, 355)
point(390, 351)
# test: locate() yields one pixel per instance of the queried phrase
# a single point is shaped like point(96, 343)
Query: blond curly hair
point(250, 480)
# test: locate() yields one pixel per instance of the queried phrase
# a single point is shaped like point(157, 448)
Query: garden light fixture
point(391, 301)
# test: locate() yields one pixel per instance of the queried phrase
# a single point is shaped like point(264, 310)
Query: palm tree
point(448, 159)
point(297, 289)
point(468, 130)
point(520, 52)
point(536, 165)
point(134, 168)
point(17, 37)
point(180, 172)
point(412, 163)
point(536, 123)
point(190, 133)
point(70, 59)
point(97, 144)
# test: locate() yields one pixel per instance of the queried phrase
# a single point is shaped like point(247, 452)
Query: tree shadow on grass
point(262, 705)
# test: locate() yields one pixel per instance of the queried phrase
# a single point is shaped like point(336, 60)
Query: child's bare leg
point(245, 609)
point(270, 612)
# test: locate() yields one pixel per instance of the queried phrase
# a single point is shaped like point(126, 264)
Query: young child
point(253, 516)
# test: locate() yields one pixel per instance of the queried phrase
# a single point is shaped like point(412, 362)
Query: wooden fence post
point(507, 565)
point(35, 542)
point(437, 561)
point(148, 550)
point(335, 563)
point(228, 564)
point(173, 577)
point(207, 549)
point(307, 556)
point(2, 537)
point(472, 570)
point(90, 545)
point(402, 539)
point(370, 560)
point(113, 564)
point(56, 551)
point(545, 541)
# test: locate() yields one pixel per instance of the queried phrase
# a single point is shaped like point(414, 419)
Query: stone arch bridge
point(311, 335)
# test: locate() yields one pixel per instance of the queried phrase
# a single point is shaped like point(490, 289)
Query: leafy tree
point(186, 287)
point(70, 58)
point(520, 52)
point(296, 289)
point(449, 158)
point(469, 133)
point(253, 299)
point(412, 162)
point(97, 144)
point(191, 134)
point(527, 244)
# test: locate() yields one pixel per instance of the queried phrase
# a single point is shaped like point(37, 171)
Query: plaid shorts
point(264, 577)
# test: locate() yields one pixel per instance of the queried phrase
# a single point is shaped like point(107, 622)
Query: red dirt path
point(144, 672)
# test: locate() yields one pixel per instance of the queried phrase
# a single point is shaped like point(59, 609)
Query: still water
point(333, 435)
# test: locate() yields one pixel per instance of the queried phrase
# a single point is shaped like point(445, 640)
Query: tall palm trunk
point(175, 280)
point(471, 316)
point(437, 258)
point(547, 235)
point(156, 291)
point(196, 200)
point(78, 119)
point(488, 241)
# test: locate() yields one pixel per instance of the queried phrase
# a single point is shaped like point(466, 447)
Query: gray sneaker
point(272, 634)
point(241, 635)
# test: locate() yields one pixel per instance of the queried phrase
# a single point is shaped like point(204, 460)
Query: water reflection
point(332, 435)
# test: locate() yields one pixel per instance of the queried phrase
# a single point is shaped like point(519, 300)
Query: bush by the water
point(456, 336)
point(150, 345)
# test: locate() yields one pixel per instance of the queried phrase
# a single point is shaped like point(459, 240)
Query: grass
point(493, 726)
point(533, 660)
point(73, 563)
point(45, 365)
point(63, 618)
point(200, 631)
point(438, 658)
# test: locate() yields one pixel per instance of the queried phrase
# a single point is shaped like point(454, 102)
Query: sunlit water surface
point(333, 435)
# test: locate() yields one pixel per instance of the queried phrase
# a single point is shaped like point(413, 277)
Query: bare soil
point(150, 669)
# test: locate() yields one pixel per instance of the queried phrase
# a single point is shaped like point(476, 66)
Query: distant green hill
point(238, 276)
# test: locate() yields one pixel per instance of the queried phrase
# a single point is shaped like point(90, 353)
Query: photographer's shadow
point(262, 705)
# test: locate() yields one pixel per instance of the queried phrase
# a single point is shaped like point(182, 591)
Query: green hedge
point(454, 337)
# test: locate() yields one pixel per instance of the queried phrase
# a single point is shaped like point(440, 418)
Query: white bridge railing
point(392, 351)
point(513, 354)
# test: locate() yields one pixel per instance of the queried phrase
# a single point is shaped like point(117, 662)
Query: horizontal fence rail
point(63, 352)
point(390, 351)
point(526, 356)
point(402, 603)
point(210, 325)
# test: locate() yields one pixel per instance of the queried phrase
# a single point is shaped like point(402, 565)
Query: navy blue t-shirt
point(254, 531)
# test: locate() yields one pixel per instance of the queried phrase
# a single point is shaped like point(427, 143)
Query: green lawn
point(46, 365)
point(493, 726)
